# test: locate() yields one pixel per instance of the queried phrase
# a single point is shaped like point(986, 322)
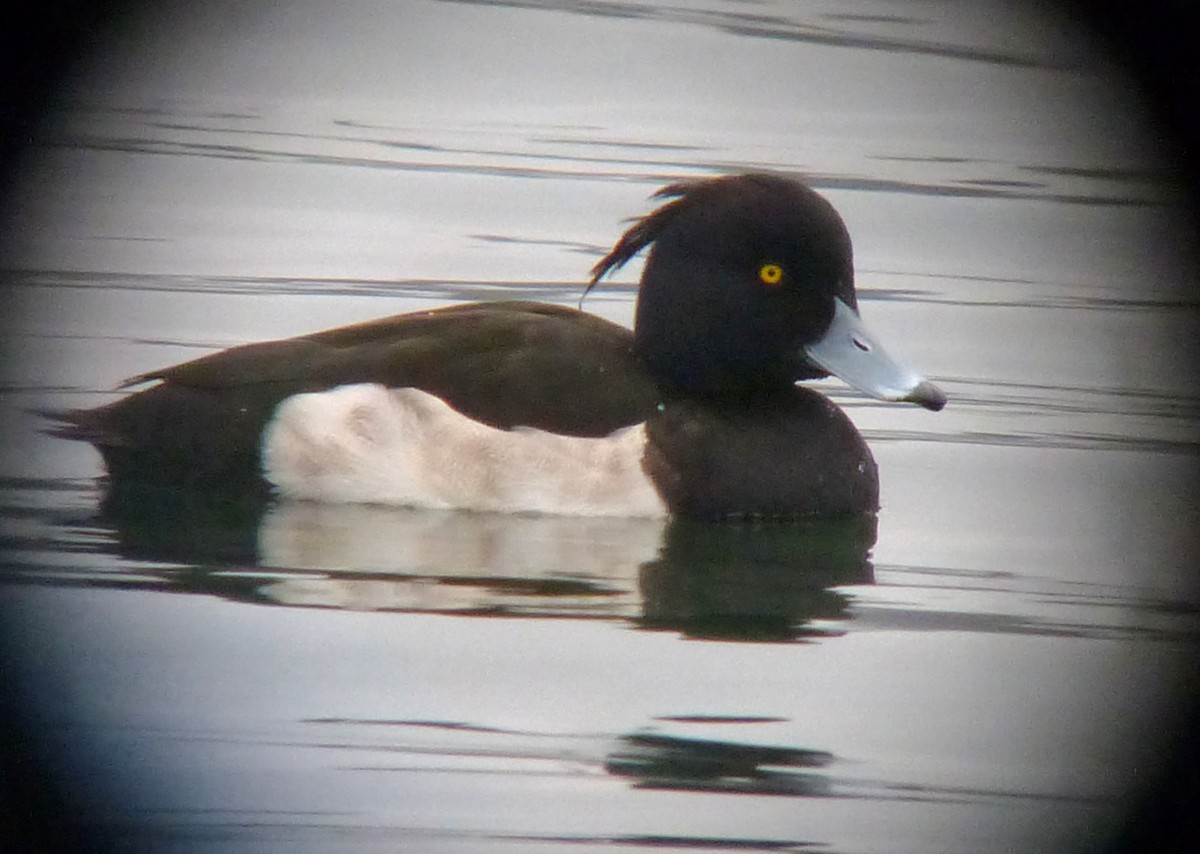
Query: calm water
point(1000, 666)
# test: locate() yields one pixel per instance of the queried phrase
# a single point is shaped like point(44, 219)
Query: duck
point(518, 406)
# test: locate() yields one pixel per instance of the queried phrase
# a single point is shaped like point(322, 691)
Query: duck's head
point(749, 287)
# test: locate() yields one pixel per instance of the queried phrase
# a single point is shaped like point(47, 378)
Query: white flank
point(373, 445)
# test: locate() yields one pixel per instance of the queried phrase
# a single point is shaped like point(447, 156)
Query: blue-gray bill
point(850, 352)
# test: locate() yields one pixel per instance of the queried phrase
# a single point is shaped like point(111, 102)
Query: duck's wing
point(506, 364)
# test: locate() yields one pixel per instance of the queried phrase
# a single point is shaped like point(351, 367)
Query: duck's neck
point(711, 345)
point(716, 371)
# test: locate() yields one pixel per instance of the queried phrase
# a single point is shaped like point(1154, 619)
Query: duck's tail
point(77, 425)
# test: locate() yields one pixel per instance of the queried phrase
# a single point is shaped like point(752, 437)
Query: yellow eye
point(770, 274)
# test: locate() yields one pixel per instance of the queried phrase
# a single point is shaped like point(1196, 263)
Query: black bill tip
point(928, 395)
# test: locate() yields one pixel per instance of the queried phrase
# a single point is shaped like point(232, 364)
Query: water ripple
point(757, 25)
point(530, 153)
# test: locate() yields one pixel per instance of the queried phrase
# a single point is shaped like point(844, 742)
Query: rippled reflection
point(735, 581)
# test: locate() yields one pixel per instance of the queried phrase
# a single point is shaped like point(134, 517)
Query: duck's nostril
point(865, 346)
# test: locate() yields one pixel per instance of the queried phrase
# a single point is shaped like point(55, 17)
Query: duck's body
point(501, 364)
point(523, 406)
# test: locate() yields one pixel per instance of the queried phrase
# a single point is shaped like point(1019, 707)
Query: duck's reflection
point(764, 581)
point(182, 526)
point(755, 582)
point(383, 558)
